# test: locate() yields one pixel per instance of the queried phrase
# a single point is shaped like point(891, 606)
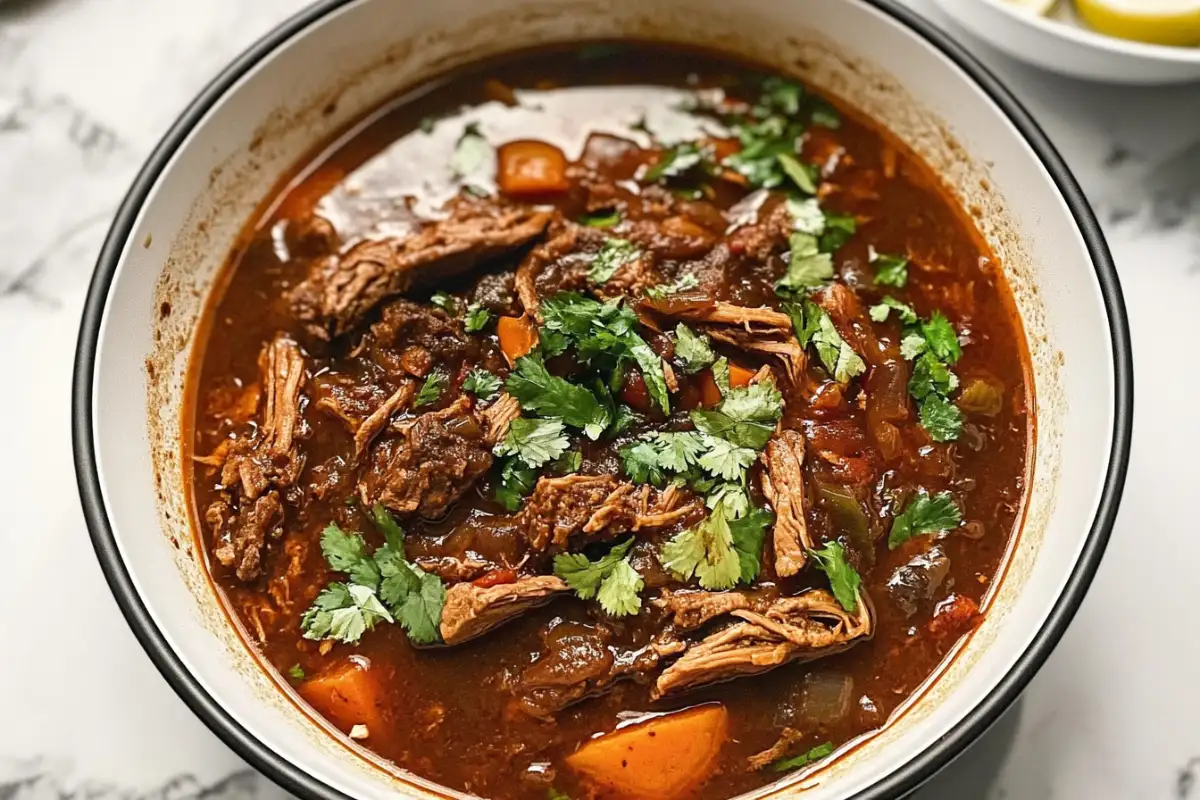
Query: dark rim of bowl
point(293, 777)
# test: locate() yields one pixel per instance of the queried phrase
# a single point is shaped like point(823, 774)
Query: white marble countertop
point(88, 86)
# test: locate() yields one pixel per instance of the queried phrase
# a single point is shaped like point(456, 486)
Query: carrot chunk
point(347, 695)
point(660, 759)
point(517, 337)
point(710, 394)
point(529, 167)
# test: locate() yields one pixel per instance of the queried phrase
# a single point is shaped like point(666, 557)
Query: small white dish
point(1072, 50)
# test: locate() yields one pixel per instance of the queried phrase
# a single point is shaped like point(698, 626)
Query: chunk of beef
point(434, 461)
point(340, 290)
point(310, 236)
point(690, 609)
point(408, 338)
point(240, 536)
point(272, 456)
point(381, 417)
point(497, 292)
point(783, 485)
point(801, 628)
point(499, 416)
point(698, 306)
point(599, 505)
point(472, 610)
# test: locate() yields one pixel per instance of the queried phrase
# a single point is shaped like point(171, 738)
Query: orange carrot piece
point(347, 695)
point(710, 394)
point(660, 759)
point(530, 167)
point(517, 337)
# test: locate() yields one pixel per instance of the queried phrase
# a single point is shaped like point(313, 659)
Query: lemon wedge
point(1040, 7)
point(1169, 22)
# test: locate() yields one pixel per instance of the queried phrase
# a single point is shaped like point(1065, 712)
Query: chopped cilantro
point(804, 759)
point(568, 463)
point(843, 578)
point(296, 672)
point(930, 377)
point(343, 612)
point(615, 254)
point(925, 514)
point(746, 416)
point(748, 533)
point(942, 338)
point(649, 459)
point(431, 390)
point(803, 175)
point(471, 153)
point(678, 161)
point(723, 459)
point(444, 301)
point(482, 384)
point(825, 115)
point(813, 326)
point(732, 496)
point(838, 230)
point(680, 284)
point(941, 419)
point(347, 552)
point(705, 551)
point(477, 318)
point(650, 365)
point(610, 579)
point(807, 268)
point(393, 534)
point(763, 143)
point(890, 270)
point(693, 351)
point(807, 216)
point(880, 311)
point(641, 464)
point(605, 218)
point(780, 95)
point(516, 482)
point(624, 418)
point(534, 441)
point(540, 392)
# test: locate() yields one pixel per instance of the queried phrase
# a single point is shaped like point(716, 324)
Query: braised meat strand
point(609, 422)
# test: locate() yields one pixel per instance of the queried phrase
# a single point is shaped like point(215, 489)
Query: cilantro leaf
point(693, 351)
point(614, 254)
point(804, 759)
point(807, 216)
point(477, 318)
point(805, 271)
point(516, 482)
point(443, 301)
point(678, 161)
point(601, 219)
point(431, 389)
point(879, 312)
point(640, 462)
point(650, 365)
point(471, 153)
point(890, 270)
point(649, 459)
point(931, 377)
point(838, 230)
point(704, 551)
point(748, 534)
point(482, 384)
point(942, 338)
point(347, 552)
point(393, 534)
point(610, 579)
point(825, 115)
point(420, 612)
point(723, 459)
point(534, 441)
point(941, 418)
point(763, 143)
point(296, 672)
point(912, 345)
point(803, 175)
point(746, 416)
point(843, 578)
point(780, 94)
point(925, 514)
point(733, 497)
point(814, 326)
point(624, 418)
point(542, 393)
point(568, 463)
point(343, 612)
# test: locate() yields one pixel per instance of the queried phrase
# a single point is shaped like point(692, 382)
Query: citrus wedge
point(1167, 22)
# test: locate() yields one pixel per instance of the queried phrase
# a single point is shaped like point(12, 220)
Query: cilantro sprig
point(719, 552)
point(813, 326)
point(843, 578)
point(803, 759)
point(611, 579)
point(482, 384)
point(542, 393)
point(924, 514)
point(383, 587)
point(431, 390)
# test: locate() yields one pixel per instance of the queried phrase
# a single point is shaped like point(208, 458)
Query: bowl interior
point(335, 62)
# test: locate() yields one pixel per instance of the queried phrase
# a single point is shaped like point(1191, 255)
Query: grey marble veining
point(86, 89)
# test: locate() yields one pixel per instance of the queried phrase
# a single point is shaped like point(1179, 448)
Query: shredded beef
point(472, 610)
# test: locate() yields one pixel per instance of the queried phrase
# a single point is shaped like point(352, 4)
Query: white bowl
point(1063, 47)
point(333, 62)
